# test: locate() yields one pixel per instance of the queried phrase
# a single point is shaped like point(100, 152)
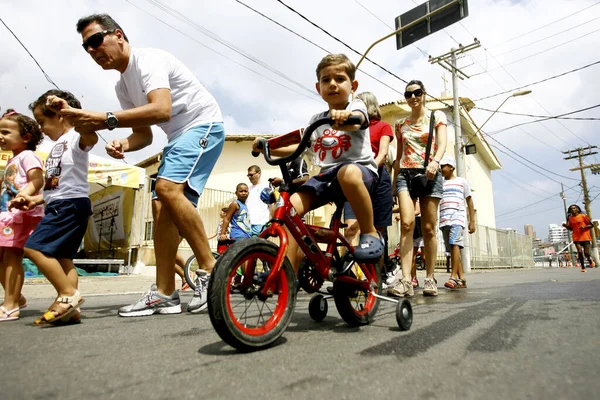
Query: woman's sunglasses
point(96, 39)
point(416, 93)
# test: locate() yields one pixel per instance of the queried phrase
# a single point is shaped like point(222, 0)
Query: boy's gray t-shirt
point(330, 147)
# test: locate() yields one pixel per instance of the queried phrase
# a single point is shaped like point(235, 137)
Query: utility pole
point(564, 199)
point(584, 152)
point(458, 143)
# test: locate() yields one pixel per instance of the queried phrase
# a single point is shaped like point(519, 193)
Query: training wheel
point(317, 308)
point(404, 314)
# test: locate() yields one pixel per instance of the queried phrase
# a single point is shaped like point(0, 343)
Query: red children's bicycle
point(257, 314)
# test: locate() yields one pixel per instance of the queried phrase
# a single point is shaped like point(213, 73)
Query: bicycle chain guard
point(308, 277)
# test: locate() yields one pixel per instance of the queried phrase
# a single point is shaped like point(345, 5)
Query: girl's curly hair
point(26, 125)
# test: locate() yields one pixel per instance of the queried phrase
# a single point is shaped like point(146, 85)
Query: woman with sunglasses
point(412, 134)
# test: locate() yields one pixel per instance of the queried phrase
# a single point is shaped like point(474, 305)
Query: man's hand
point(81, 119)
point(471, 227)
point(115, 149)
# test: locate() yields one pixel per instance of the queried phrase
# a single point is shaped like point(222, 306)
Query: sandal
point(452, 283)
point(415, 282)
point(462, 283)
point(370, 248)
point(58, 313)
point(6, 314)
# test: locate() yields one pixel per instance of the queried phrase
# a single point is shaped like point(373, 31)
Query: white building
point(557, 233)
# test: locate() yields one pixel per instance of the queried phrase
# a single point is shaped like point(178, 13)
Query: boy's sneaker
point(430, 287)
point(153, 302)
point(200, 300)
point(390, 276)
point(402, 288)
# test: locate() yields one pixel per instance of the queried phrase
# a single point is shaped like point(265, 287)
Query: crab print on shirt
point(53, 166)
point(331, 142)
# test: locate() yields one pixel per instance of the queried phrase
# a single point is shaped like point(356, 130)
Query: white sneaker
point(199, 301)
point(430, 287)
point(153, 302)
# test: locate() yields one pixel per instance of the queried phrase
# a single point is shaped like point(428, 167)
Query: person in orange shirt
point(580, 225)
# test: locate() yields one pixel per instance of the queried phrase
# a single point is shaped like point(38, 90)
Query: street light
point(515, 94)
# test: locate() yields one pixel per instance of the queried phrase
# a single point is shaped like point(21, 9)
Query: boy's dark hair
point(255, 168)
point(416, 82)
point(26, 125)
point(337, 59)
point(104, 20)
point(63, 94)
point(240, 184)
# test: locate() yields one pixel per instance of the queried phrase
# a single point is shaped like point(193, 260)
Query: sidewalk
point(39, 288)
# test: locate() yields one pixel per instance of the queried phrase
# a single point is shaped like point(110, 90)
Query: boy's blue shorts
point(191, 158)
point(60, 232)
point(326, 186)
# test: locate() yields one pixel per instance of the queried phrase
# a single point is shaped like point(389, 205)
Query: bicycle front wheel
point(244, 318)
point(190, 267)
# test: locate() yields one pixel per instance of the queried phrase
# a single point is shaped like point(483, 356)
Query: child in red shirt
point(580, 225)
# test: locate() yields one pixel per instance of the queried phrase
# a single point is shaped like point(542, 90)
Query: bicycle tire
point(348, 299)
point(239, 331)
point(190, 267)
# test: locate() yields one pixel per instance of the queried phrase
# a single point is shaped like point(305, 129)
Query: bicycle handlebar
point(264, 143)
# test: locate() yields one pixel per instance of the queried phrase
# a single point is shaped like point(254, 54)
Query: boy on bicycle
point(348, 169)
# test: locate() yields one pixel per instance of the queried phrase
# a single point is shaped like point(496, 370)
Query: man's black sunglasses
point(417, 93)
point(96, 39)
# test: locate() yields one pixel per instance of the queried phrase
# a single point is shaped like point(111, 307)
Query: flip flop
point(370, 248)
point(6, 314)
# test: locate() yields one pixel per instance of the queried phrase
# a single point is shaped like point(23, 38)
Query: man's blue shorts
point(191, 158)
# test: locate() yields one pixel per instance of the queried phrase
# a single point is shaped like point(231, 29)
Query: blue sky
point(263, 75)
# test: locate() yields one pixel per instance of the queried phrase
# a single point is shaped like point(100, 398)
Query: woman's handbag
point(418, 184)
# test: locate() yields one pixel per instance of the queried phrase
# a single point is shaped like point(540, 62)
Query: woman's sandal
point(370, 248)
point(59, 314)
point(456, 283)
point(7, 314)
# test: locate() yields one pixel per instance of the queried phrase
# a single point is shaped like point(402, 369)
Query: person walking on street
point(258, 211)
point(580, 225)
point(155, 88)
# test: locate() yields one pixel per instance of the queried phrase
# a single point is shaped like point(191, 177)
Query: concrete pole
point(564, 199)
point(588, 210)
point(460, 162)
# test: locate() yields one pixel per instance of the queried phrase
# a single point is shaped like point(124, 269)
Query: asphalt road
point(528, 334)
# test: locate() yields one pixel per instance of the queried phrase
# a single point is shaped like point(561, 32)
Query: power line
point(313, 43)
point(540, 81)
point(548, 37)
point(221, 54)
point(543, 51)
point(530, 162)
point(30, 55)
point(542, 119)
point(176, 14)
point(520, 36)
point(532, 204)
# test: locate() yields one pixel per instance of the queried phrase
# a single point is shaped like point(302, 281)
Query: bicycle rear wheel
point(245, 319)
point(190, 267)
point(357, 306)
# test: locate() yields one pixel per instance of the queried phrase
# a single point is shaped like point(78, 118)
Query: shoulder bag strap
point(430, 138)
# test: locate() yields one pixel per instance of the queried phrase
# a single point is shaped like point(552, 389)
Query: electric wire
point(219, 53)
point(538, 82)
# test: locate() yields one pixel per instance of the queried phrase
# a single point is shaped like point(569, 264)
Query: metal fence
point(489, 248)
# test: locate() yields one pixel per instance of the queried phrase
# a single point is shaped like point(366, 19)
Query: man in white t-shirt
point(257, 210)
point(155, 88)
point(453, 219)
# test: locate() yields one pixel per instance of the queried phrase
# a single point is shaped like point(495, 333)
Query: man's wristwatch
point(111, 121)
